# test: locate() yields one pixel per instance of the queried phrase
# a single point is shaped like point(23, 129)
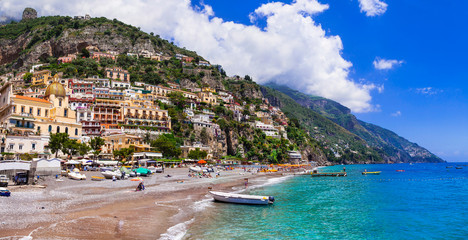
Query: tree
point(197, 154)
point(70, 147)
point(27, 77)
point(96, 144)
point(83, 149)
point(178, 99)
point(168, 145)
point(57, 142)
point(124, 153)
point(85, 53)
point(204, 137)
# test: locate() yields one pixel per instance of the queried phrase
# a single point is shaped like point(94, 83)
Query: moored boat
point(400, 170)
point(242, 198)
point(458, 168)
point(371, 173)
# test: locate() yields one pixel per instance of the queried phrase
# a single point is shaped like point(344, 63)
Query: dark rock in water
point(29, 13)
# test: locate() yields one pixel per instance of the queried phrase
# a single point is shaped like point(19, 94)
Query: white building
point(268, 129)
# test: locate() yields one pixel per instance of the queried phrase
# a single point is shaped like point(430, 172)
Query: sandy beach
point(72, 209)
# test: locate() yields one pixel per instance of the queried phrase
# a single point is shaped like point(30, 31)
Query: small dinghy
point(96, 178)
point(371, 173)
point(242, 198)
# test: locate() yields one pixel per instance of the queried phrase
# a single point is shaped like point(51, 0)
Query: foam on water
point(177, 232)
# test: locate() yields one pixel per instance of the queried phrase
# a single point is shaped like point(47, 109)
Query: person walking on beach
point(246, 182)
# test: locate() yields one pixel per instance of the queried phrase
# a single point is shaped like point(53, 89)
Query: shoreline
point(87, 209)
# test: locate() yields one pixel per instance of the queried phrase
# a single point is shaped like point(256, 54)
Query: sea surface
point(426, 201)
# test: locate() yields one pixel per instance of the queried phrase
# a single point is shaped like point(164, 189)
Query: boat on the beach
point(371, 173)
point(96, 178)
point(4, 192)
point(110, 174)
point(242, 198)
point(76, 175)
point(195, 169)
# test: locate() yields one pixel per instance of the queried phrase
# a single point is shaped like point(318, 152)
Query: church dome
point(55, 88)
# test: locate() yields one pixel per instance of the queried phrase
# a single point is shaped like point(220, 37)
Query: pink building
point(67, 59)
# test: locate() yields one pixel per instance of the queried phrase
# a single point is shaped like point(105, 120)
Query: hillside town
point(125, 113)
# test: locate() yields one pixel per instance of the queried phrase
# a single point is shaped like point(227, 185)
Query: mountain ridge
point(398, 148)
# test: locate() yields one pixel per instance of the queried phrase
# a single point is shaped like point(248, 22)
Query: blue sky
point(398, 64)
point(424, 98)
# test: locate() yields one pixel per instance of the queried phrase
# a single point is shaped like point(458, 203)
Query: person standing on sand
point(246, 182)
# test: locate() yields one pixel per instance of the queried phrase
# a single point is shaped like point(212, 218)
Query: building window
point(11, 146)
point(30, 110)
point(65, 112)
point(33, 146)
point(60, 102)
point(22, 109)
point(20, 147)
point(76, 132)
point(14, 108)
point(66, 130)
point(46, 113)
point(38, 112)
point(50, 128)
point(58, 129)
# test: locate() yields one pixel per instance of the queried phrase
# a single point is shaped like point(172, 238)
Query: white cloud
point(385, 64)
point(373, 8)
point(428, 91)
point(396, 114)
point(292, 49)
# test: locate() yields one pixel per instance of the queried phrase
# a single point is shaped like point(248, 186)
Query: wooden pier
point(329, 174)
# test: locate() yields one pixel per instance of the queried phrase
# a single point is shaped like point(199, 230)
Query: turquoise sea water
point(427, 201)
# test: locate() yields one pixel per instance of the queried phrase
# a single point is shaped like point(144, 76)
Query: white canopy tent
point(46, 166)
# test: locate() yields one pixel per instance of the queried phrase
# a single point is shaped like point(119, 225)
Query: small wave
point(176, 232)
point(202, 204)
point(271, 181)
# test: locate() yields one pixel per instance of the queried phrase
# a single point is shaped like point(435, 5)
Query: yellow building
point(143, 116)
point(41, 77)
point(118, 141)
point(208, 97)
point(27, 115)
point(208, 89)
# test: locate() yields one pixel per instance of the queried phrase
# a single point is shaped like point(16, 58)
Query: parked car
point(3, 181)
point(21, 178)
point(5, 192)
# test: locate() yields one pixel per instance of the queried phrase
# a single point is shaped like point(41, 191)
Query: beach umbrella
point(201, 162)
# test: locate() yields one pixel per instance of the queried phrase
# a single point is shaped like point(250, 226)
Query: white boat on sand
point(110, 174)
point(76, 176)
point(195, 169)
point(242, 198)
